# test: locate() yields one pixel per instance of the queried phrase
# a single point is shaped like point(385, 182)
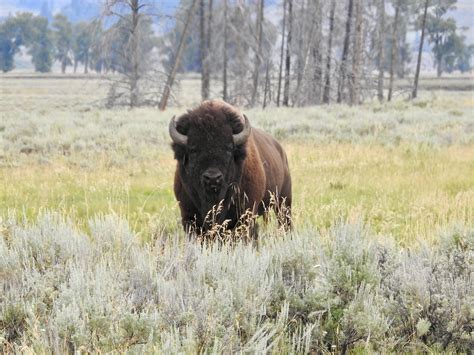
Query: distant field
point(447, 83)
point(89, 222)
point(83, 90)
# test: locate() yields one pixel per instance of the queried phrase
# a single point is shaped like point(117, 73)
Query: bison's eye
point(192, 149)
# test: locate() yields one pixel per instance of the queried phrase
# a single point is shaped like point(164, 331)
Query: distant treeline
point(294, 53)
point(70, 44)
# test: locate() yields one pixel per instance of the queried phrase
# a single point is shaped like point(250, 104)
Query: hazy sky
point(464, 15)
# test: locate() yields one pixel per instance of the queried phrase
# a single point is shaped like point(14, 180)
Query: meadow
point(93, 257)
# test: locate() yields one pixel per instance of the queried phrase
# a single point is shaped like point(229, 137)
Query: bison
point(222, 160)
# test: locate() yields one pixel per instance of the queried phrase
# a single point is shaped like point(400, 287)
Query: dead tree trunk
point(86, 63)
point(345, 52)
point(356, 63)
point(240, 56)
point(394, 53)
point(169, 82)
point(134, 75)
point(317, 56)
point(420, 51)
point(300, 51)
point(266, 91)
point(204, 46)
point(327, 85)
point(402, 39)
point(224, 72)
point(282, 53)
point(258, 54)
point(438, 42)
point(286, 91)
point(209, 47)
point(381, 45)
point(304, 48)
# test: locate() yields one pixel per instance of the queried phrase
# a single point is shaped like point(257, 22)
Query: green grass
point(403, 191)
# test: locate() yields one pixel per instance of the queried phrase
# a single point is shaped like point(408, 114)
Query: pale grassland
point(93, 258)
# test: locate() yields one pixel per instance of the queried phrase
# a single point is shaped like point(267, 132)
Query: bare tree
point(240, 67)
point(286, 91)
point(258, 53)
point(282, 52)
point(420, 50)
point(202, 49)
point(381, 45)
point(317, 55)
point(131, 52)
point(135, 8)
point(345, 52)
point(225, 59)
point(307, 28)
point(205, 47)
point(266, 90)
point(300, 57)
point(327, 85)
point(394, 52)
point(209, 45)
point(356, 63)
point(404, 52)
point(171, 77)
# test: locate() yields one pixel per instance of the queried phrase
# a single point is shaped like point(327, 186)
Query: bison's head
point(209, 143)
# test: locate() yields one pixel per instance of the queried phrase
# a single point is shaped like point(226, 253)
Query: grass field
point(92, 255)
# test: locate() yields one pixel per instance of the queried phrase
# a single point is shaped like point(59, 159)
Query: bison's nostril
point(212, 178)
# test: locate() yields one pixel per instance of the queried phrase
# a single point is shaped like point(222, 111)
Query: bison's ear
point(240, 153)
point(179, 152)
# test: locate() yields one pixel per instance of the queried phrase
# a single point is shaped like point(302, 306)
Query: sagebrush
point(64, 290)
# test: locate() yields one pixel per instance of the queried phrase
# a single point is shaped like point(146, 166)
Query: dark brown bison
point(222, 160)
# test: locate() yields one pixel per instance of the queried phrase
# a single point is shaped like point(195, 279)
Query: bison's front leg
point(190, 218)
point(191, 223)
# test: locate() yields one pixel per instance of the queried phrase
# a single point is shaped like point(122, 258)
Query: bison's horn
point(241, 138)
point(177, 137)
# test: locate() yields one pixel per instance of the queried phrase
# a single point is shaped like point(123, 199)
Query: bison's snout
point(212, 180)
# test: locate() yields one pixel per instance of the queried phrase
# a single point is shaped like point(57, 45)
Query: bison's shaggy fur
point(216, 168)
